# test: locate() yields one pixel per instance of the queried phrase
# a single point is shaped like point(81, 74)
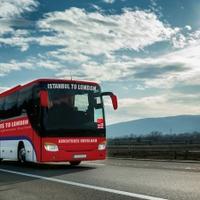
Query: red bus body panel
point(20, 129)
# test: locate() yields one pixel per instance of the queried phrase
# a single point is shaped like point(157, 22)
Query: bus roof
point(19, 87)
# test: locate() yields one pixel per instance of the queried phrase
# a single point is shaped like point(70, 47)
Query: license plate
point(80, 156)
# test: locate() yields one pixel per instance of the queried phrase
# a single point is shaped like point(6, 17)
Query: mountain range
point(166, 125)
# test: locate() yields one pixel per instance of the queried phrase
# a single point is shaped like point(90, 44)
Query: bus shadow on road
point(56, 167)
point(45, 170)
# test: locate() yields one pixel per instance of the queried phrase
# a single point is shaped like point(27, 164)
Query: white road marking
point(188, 168)
point(119, 192)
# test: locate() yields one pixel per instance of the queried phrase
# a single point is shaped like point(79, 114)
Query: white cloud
point(189, 38)
point(11, 10)
point(5, 27)
point(95, 33)
point(188, 27)
point(30, 64)
point(14, 8)
point(84, 35)
point(17, 40)
point(13, 65)
point(180, 66)
point(188, 59)
point(92, 33)
point(64, 55)
point(109, 1)
point(108, 71)
point(179, 41)
point(96, 7)
point(86, 32)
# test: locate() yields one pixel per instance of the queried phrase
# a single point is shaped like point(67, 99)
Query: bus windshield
point(73, 111)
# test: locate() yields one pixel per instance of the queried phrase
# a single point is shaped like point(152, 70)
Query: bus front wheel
point(21, 153)
point(75, 163)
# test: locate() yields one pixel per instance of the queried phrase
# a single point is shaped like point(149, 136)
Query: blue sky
point(146, 51)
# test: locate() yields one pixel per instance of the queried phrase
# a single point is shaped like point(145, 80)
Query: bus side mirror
point(44, 98)
point(114, 101)
point(113, 98)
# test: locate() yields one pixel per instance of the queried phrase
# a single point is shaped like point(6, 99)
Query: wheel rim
point(22, 155)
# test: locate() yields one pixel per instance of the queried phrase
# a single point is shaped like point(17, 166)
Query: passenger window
point(10, 106)
point(2, 100)
point(25, 96)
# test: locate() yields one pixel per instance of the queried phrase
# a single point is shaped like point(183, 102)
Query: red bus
point(49, 120)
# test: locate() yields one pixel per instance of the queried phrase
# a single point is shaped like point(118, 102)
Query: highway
point(110, 179)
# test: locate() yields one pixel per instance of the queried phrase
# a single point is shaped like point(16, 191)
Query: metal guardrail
point(165, 151)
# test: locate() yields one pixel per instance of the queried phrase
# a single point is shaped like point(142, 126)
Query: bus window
point(2, 100)
point(11, 105)
point(24, 98)
point(81, 102)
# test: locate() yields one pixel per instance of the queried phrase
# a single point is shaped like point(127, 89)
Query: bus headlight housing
point(51, 147)
point(102, 146)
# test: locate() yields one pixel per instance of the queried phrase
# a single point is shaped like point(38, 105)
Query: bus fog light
point(102, 146)
point(50, 147)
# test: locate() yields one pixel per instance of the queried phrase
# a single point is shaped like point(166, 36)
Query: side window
point(2, 100)
point(10, 106)
point(24, 99)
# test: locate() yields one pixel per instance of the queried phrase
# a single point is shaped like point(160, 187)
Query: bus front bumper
point(64, 156)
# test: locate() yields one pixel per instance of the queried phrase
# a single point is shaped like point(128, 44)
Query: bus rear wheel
point(1, 159)
point(74, 163)
point(21, 153)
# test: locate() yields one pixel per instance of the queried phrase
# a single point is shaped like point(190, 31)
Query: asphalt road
point(110, 179)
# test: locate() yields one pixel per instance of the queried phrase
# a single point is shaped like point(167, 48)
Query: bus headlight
point(102, 146)
point(50, 147)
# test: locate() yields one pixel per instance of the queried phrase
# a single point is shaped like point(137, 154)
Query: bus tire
point(21, 153)
point(1, 159)
point(74, 163)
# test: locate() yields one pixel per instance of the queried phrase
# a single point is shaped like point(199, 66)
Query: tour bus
point(50, 120)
